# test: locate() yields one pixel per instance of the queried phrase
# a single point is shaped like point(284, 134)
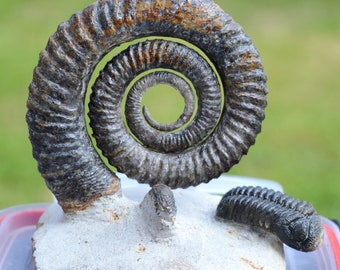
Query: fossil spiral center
point(166, 60)
point(135, 95)
point(163, 103)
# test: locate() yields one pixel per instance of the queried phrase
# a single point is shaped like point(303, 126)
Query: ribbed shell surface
point(66, 157)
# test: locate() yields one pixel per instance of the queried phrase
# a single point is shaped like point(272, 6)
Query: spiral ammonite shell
point(223, 111)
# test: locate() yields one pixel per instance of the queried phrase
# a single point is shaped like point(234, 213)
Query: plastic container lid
point(17, 225)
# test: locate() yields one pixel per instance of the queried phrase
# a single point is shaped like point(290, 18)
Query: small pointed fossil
point(159, 210)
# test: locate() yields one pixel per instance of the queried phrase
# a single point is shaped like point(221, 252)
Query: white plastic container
point(17, 225)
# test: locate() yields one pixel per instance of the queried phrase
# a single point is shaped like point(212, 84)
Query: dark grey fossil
point(159, 210)
point(207, 146)
point(294, 222)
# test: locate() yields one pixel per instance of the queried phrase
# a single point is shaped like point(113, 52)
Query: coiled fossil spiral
point(223, 111)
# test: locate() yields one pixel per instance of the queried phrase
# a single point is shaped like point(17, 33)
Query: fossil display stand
point(201, 52)
point(114, 233)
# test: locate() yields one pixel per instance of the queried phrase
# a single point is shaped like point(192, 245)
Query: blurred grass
point(299, 147)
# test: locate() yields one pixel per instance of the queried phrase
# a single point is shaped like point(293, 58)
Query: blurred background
point(299, 146)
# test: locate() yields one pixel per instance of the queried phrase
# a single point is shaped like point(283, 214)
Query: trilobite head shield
point(193, 46)
point(304, 234)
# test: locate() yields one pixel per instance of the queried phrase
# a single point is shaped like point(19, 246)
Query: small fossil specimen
point(159, 210)
point(293, 221)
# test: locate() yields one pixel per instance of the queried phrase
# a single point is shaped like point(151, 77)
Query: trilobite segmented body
point(294, 222)
point(219, 74)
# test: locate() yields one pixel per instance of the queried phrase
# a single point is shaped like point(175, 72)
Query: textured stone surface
point(113, 234)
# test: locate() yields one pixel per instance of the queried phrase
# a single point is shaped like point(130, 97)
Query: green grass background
point(299, 146)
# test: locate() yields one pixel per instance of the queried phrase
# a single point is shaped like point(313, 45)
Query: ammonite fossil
point(294, 222)
point(193, 46)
